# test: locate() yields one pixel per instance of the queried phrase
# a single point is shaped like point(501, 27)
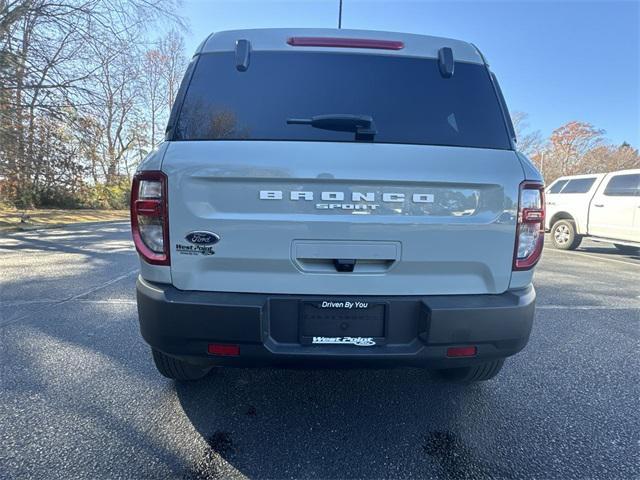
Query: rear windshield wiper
point(362, 125)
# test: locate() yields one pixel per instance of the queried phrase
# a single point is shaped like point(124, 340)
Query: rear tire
point(177, 369)
point(627, 249)
point(477, 373)
point(564, 236)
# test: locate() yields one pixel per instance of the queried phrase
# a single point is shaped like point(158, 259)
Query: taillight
point(150, 217)
point(530, 228)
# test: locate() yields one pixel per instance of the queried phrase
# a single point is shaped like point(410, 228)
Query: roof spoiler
point(243, 52)
point(446, 63)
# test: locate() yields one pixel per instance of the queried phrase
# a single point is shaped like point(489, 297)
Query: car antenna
point(340, 15)
point(243, 51)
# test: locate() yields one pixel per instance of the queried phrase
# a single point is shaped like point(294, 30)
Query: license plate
point(342, 322)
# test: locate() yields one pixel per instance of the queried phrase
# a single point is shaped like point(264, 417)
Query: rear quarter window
point(623, 186)
point(557, 186)
point(407, 97)
point(579, 185)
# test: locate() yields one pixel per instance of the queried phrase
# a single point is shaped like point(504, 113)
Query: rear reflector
point(224, 350)
point(149, 208)
point(345, 43)
point(461, 351)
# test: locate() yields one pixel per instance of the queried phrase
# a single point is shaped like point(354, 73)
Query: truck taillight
point(530, 227)
point(149, 217)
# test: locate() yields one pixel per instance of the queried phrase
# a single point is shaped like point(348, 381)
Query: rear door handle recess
point(598, 204)
point(345, 256)
point(344, 265)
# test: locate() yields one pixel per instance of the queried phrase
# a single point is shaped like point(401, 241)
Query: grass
point(13, 220)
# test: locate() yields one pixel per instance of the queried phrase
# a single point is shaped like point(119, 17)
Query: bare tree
point(59, 60)
point(607, 158)
point(38, 75)
point(172, 50)
point(528, 142)
point(568, 146)
point(164, 67)
point(153, 80)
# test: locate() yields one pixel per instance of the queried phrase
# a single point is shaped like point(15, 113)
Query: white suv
point(605, 207)
point(339, 197)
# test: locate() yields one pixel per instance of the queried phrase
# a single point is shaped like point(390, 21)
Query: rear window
point(409, 100)
point(623, 186)
point(579, 185)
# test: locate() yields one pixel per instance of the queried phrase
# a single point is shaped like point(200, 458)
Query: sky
point(557, 61)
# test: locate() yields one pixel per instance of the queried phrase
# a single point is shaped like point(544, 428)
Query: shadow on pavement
point(609, 251)
point(333, 424)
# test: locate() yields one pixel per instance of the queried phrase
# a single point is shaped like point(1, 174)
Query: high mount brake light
point(345, 43)
point(150, 217)
point(530, 227)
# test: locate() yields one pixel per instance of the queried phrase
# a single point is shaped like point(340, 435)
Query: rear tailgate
point(418, 219)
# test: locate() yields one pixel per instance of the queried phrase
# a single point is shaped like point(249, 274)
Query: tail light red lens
point(150, 217)
point(462, 351)
point(345, 43)
point(223, 350)
point(530, 228)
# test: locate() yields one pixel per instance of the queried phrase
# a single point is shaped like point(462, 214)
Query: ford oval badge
point(202, 238)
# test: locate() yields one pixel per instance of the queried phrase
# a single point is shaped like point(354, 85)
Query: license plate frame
point(342, 322)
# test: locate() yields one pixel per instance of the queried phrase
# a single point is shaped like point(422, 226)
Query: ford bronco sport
point(337, 197)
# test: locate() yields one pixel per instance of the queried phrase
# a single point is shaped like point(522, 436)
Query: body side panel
point(612, 216)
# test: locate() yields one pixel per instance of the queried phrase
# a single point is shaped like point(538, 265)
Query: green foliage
point(100, 196)
point(103, 196)
point(53, 198)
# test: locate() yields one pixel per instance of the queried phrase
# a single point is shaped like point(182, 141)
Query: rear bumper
point(419, 329)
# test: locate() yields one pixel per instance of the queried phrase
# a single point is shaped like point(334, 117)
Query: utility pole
point(340, 16)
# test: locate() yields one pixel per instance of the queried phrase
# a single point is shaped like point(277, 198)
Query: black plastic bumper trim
point(183, 323)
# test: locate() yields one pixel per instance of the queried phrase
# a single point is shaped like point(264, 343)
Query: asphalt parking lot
point(80, 398)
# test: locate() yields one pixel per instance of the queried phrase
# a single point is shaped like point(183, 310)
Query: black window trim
point(506, 117)
point(176, 109)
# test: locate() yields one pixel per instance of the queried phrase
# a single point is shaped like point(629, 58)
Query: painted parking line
point(75, 297)
point(113, 301)
point(21, 303)
point(586, 307)
point(127, 301)
point(593, 255)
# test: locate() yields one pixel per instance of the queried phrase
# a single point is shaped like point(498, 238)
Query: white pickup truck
point(604, 207)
